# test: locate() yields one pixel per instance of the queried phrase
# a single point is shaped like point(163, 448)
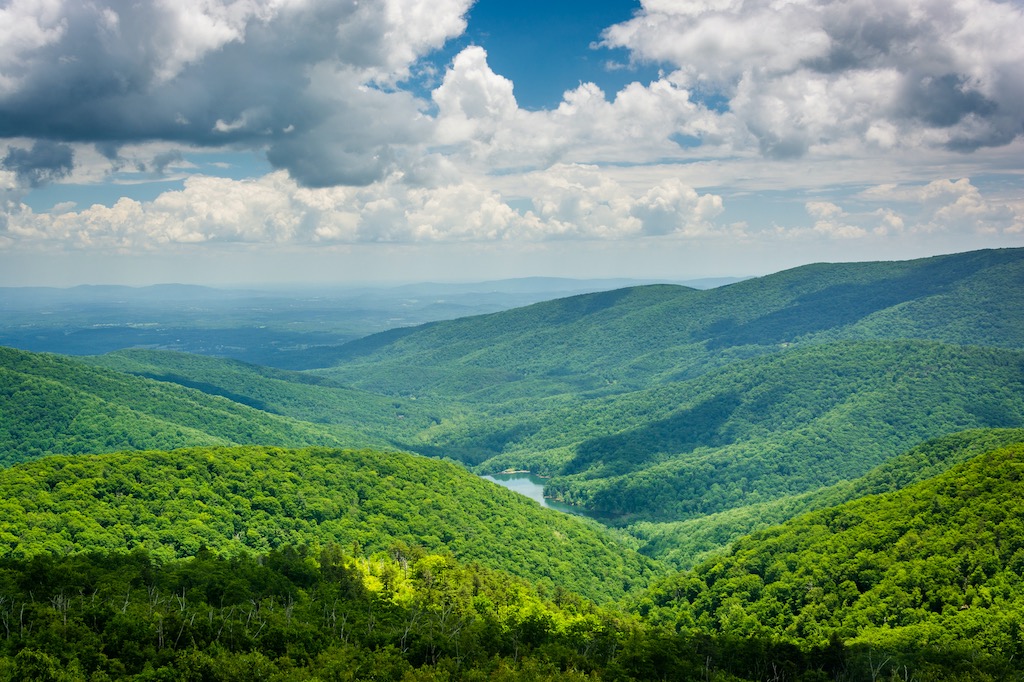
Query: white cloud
point(480, 122)
point(956, 205)
point(823, 209)
point(567, 201)
point(945, 206)
point(473, 101)
point(810, 73)
point(820, 96)
point(313, 82)
point(831, 220)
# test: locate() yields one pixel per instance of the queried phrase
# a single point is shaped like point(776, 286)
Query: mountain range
point(808, 475)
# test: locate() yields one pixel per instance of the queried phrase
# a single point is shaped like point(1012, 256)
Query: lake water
point(533, 487)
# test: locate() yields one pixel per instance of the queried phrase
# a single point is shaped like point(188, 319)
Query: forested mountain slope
point(930, 575)
point(230, 500)
point(633, 338)
point(752, 431)
point(684, 543)
point(294, 394)
point(52, 404)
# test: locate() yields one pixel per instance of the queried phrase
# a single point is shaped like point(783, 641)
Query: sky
point(293, 141)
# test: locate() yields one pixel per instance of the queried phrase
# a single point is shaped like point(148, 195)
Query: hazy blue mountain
point(282, 326)
point(638, 337)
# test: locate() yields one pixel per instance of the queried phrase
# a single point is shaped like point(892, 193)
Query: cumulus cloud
point(320, 85)
point(290, 76)
point(812, 73)
point(568, 201)
point(479, 121)
point(473, 101)
point(946, 205)
point(753, 95)
point(830, 220)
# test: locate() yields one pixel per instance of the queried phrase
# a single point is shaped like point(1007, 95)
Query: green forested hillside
point(293, 614)
point(664, 403)
point(753, 431)
point(633, 338)
point(929, 577)
point(689, 417)
point(376, 418)
point(924, 583)
point(52, 404)
point(256, 498)
point(684, 543)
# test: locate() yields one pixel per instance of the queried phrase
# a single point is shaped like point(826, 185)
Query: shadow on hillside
point(680, 433)
point(845, 304)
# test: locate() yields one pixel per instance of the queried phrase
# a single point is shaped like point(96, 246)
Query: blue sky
point(252, 141)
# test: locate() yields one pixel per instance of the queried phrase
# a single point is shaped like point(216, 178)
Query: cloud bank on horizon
point(863, 119)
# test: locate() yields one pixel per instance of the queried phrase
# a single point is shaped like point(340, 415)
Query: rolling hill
point(925, 577)
point(691, 417)
point(663, 403)
point(52, 404)
point(233, 500)
point(642, 336)
point(685, 543)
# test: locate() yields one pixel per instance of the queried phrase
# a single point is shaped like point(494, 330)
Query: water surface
point(532, 486)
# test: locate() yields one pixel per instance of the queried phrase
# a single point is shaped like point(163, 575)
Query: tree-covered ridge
point(633, 338)
point(685, 543)
point(924, 584)
point(235, 499)
point(294, 394)
point(753, 431)
point(931, 574)
point(56, 405)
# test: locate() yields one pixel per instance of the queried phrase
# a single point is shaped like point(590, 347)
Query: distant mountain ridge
point(656, 404)
point(56, 405)
point(642, 336)
point(664, 403)
point(295, 327)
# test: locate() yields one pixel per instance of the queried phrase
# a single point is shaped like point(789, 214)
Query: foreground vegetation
point(238, 499)
point(923, 583)
point(296, 615)
point(930, 574)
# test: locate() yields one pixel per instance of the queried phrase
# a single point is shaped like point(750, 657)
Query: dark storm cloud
point(117, 88)
point(44, 162)
point(162, 161)
point(132, 72)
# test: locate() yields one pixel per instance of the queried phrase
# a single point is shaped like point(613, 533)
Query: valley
point(816, 470)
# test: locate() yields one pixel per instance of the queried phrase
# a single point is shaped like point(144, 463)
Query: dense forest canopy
point(238, 499)
point(932, 571)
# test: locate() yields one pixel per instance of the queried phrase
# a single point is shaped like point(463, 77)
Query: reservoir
point(533, 487)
